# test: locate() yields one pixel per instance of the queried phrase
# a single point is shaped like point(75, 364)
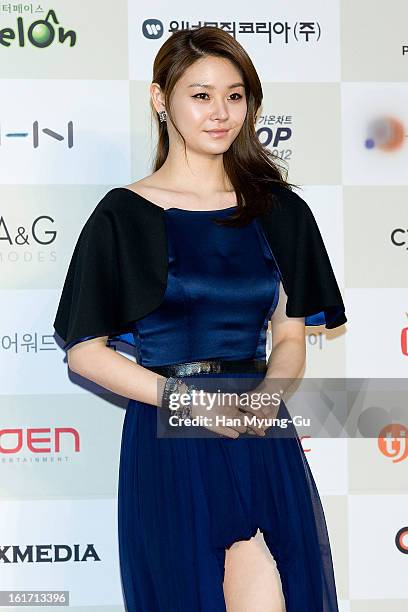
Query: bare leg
point(252, 582)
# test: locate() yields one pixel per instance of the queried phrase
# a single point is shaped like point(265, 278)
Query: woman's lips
point(217, 133)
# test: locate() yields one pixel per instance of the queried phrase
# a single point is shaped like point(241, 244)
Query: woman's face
point(209, 96)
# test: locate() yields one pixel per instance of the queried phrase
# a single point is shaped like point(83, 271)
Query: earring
point(163, 116)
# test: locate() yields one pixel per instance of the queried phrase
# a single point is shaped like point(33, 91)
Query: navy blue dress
point(183, 501)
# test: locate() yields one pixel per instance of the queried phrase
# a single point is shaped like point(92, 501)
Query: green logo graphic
point(41, 33)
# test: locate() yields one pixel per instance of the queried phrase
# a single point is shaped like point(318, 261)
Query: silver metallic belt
point(212, 366)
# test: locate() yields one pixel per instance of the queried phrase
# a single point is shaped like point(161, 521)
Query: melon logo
point(40, 33)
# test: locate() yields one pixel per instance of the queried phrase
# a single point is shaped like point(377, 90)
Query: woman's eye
point(206, 94)
point(200, 94)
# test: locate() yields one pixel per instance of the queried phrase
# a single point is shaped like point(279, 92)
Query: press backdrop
point(75, 122)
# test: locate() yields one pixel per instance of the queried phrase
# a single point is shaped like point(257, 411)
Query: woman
point(188, 265)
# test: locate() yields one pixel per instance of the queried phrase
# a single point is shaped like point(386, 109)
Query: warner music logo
point(47, 553)
point(152, 28)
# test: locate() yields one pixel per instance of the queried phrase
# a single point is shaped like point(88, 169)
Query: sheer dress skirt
point(183, 501)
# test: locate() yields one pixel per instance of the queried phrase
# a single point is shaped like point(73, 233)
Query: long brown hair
point(251, 168)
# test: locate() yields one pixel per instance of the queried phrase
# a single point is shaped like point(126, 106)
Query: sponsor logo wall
point(75, 122)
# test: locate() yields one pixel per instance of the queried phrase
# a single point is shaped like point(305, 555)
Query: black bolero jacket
point(118, 269)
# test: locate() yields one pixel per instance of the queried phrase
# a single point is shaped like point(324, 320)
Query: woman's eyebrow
point(208, 86)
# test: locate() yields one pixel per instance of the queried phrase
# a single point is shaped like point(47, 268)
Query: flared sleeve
point(302, 260)
point(117, 272)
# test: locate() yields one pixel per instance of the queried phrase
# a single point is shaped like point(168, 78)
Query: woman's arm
point(288, 355)
point(286, 360)
point(99, 363)
point(94, 360)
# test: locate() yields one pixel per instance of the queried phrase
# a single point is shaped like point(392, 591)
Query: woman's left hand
point(263, 403)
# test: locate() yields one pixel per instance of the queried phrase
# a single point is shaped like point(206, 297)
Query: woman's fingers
point(252, 425)
point(237, 420)
point(225, 431)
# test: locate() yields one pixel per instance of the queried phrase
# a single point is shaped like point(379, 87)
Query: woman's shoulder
point(150, 190)
point(121, 216)
point(287, 215)
point(288, 202)
point(127, 203)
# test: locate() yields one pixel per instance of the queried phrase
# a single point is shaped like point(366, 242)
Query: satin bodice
point(222, 289)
